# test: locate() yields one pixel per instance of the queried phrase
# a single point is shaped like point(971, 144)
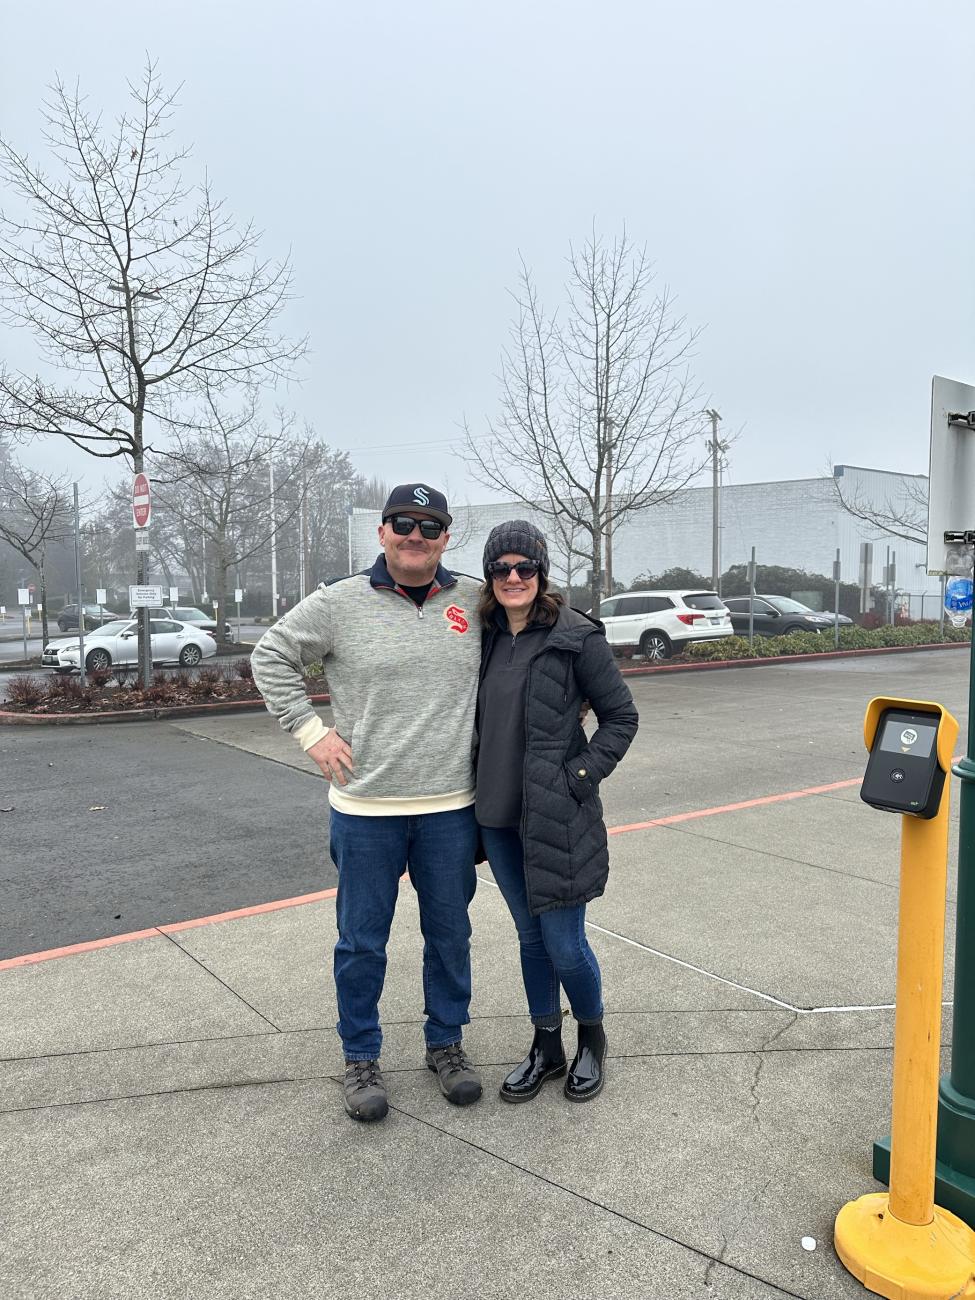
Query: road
point(111, 829)
point(12, 645)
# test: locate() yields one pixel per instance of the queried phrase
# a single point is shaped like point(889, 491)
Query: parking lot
point(175, 1096)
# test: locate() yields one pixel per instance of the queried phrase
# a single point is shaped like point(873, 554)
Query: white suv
point(658, 624)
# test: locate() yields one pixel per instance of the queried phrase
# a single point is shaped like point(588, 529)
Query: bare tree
point(215, 485)
point(35, 511)
point(599, 413)
point(138, 286)
point(905, 516)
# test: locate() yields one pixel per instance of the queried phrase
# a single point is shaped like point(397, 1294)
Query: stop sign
point(141, 505)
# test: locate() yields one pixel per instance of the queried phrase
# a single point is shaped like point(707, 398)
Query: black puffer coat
point(562, 827)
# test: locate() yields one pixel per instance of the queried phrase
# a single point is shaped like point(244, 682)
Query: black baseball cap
point(418, 496)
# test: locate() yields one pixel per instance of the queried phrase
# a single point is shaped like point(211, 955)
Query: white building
point(798, 523)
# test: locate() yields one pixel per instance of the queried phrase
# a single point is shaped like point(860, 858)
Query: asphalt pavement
point(170, 1113)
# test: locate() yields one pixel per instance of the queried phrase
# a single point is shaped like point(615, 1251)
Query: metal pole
point(836, 601)
point(81, 602)
point(349, 510)
point(608, 426)
point(23, 618)
point(715, 505)
point(274, 535)
point(751, 601)
point(941, 618)
point(955, 1188)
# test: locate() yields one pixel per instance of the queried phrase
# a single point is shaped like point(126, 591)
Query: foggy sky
point(801, 175)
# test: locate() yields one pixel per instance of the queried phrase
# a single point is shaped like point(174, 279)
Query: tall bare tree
point(599, 413)
point(137, 285)
point(215, 485)
point(36, 510)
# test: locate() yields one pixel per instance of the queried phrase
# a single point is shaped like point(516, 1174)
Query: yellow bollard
point(900, 1244)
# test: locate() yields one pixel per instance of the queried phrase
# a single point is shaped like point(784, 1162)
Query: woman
point(538, 806)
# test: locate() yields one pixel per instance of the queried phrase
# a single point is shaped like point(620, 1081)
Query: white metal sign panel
point(951, 473)
point(23, 596)
point(141, 501)
point(174, 595)
point(139, 596)
point(100, 596)
point(142, 539)
point(238, 595)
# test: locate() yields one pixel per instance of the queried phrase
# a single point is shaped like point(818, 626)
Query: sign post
point(141, 516)
point(238, 597)
point(23, 600)
point(837, 570)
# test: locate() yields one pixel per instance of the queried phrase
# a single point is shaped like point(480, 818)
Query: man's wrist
point(310, 732)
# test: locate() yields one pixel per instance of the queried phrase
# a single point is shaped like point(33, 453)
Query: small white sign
point(40, 608)
point(238, 595)
point(205, 596)
point(174, 595)
point(3, 611)
point(100, 597)
point(23, 596)
point(139, 596)
point(142, 539)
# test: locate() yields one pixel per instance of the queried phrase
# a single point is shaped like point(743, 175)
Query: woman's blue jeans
point(371, 853)
point(554, 947)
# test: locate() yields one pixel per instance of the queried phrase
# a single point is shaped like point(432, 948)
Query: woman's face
point(515, 593)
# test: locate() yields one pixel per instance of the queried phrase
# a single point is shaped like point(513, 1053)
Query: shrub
point(804, 643)
point(121, 673)
point(24, 689)
point(180, 680)
point(100, 677)
point(209, 676)
point(244, 670)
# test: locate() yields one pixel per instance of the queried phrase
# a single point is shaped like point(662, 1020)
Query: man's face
point(411, 560)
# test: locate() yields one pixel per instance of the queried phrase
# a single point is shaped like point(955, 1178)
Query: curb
point(815, 656)
point(140, 715)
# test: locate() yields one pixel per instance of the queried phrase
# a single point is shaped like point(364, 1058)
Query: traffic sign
point(951, 470)
point(23, 596)
point(139, 596)
point(141, 501)
point(238, 595)
point(100, 596)
point(174, 595)
point(142, 539)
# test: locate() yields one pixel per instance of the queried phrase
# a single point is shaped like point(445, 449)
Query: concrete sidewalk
point(172, 1122)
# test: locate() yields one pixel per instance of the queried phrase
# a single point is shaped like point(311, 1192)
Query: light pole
point(609, 426)
point(715, 447)
point(274, 532)
point(141, 557)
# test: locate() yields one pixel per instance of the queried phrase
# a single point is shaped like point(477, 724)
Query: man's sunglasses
point(525, 569)
point(403, 525)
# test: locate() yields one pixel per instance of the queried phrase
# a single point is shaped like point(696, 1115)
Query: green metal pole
point(955, 1188)
point(955, 1169)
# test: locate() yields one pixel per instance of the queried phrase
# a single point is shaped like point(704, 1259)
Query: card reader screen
point(901, 736)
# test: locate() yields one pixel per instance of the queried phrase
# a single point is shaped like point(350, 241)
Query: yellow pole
point(900, 1244)
point(917, 1019)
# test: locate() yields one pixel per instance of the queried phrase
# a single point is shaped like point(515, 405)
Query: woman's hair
point(544, 610)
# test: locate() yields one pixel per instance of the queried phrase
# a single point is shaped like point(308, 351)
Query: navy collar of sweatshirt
point(379, 576)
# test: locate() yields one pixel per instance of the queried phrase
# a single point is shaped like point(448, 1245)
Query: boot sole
point(366, 1119)
point(572, 1096)
point(515, 1099)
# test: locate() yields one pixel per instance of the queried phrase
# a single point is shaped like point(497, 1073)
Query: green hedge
point(811, 643)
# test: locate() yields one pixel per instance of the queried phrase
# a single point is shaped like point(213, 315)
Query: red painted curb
point(140, 715)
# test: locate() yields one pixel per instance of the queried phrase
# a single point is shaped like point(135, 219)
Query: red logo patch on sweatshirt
point(455, 617)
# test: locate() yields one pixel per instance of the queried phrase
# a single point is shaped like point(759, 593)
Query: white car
point(117, 643)
point(658, 624)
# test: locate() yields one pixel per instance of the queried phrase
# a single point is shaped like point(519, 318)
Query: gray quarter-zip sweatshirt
point(402, 677)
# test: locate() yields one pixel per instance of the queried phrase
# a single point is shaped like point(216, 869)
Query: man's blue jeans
point(554, 947)
point(371, 853)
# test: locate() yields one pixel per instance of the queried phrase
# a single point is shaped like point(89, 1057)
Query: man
point(401, 647)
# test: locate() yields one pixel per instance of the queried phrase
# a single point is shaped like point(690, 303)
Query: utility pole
point(609, 426)
point(81, 599)
point(715, 447)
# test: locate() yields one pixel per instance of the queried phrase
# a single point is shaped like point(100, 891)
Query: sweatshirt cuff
point(310, 732)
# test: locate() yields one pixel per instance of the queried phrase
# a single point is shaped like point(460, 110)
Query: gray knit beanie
point(516, 537)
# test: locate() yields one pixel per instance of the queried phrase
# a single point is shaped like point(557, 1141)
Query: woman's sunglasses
point(403, 525)
point(525, 569)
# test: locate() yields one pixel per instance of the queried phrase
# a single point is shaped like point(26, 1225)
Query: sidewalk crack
point(754, 1100)
point(213, 975)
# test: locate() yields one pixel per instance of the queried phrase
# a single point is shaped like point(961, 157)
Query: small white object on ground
point(809, 1243)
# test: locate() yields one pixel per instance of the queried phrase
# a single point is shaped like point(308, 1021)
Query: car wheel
point(797, 627)
point(99, 661)
point(190, 655)
point(654, 646)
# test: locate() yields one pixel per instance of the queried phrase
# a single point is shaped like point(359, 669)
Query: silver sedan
point(117, 643)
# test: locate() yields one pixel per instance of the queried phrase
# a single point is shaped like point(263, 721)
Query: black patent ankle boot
point(545, 1060)
point(585, 1079)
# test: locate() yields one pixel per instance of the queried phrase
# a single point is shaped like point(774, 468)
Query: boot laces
point(366, 1073)
point(456, 1057)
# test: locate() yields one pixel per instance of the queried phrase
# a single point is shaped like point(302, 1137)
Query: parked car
point(780, 615)
point(117, 643)
point(95, 616)
point(658, 624)
point(189, 614)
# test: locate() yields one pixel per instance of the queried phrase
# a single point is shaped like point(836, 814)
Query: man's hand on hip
point(332, 754)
